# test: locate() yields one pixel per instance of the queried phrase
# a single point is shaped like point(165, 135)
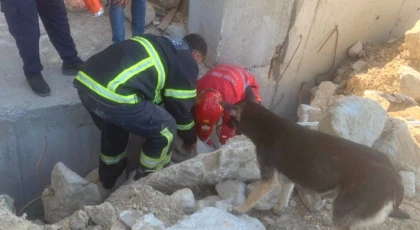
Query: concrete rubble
point(409, 82)
point(358, 119)
point(7, 202)
point(209, 201)
point(103, 215)
point(212, 218)
point(409, 182)
point(130, 217)
point(307, 113)
point(185, 199)
point(356, 50)
point(68, 193)
point(324, 95)
point(232, 189)
point(148, 222)
point(412, 39)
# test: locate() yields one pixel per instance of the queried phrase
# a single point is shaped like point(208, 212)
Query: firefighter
point(123, 87)
point(224, 82)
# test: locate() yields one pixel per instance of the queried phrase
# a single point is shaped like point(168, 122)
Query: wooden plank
point(168, 18)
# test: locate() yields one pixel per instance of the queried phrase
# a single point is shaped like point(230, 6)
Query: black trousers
point(22, 20)
point(144, 119)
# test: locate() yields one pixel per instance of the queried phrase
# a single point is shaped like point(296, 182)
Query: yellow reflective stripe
point(104, 92)
point(182, 94)
point(158, 65)
point(185, 127)
point(165, 158)
point(127, 74)
point(112, 160)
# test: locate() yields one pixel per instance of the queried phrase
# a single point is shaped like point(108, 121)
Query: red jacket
point(230, 82)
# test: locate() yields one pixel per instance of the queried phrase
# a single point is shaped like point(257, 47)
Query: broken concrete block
point(209, 201)
point(119, 225)
point(7, 202)
point(213, 218)
point(185, 199)
point(398, 144)
point(71, 193)
point(103, 215)
point(176, 30)
point(224, 205)
point(359, 66)
point(138, 196)
point(268, 200)
point(166, 4)
point(233, 189)
point(129, 217)
point(150, 13)
point(409, 82)
point(409, 182)
point(79, 220)
point(209, 169)
point(96, 227)
point(355, 49)
point(307, 113)
point(354, 118)
point(373, 95)
point(324, 95)
point(412, 41)
point(148, 222)
point(9, 220)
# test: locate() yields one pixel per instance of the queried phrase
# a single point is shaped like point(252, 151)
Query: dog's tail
point(399, 196)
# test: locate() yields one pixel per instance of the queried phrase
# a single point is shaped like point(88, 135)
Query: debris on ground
point(232, 189)
point(185, 199)
point(68, 193)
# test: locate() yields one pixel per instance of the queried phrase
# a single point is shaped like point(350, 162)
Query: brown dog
point(362, 181)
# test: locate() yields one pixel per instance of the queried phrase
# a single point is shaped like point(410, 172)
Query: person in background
point(117, 18)
point(123, 87)
point(22, 20)
point(223, 82)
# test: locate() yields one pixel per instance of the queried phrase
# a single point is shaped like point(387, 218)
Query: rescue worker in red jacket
point(224, 82)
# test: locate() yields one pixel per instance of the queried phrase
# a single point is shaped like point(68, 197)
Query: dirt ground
point(297, 217)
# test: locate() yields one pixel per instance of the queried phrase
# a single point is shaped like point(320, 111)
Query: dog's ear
point(233, 110)
point(249, 95)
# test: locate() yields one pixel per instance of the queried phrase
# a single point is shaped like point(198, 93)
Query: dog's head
point(235, 110)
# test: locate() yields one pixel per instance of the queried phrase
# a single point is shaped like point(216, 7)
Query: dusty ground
point(297, 217)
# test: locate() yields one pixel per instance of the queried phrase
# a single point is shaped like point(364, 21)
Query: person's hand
point(121, 2)
point(76, 4)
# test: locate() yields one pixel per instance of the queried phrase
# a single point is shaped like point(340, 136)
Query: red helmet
point(207, 111)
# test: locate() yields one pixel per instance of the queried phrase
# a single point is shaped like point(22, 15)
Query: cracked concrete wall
point(70, 134)
point(248, 31)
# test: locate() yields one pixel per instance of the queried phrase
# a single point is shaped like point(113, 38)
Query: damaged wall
point(250, 30)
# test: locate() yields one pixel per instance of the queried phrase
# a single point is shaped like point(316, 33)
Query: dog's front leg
point(285, 193)
point(265, 186)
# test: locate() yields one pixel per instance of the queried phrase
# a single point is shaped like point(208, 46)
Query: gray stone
point(71, 193)
point(324, 95)
point(268, 200)
point(412, 41)
point(150, 13)
point(409, 82)
point(185, 199)
point(398, 144)
point(7, 202)
point(148, 222)
point(409, 182)
point(307, 113)
point(208, 169)
point(376, 96)
point(103, 215)
point(359, 66)
point(209, 201)
point(355, 49)
point(354, 118)
point(129, 217)
point(166, 4)
point(79, 220)
point(213, 218)
point(233, 189)
point(119, 225)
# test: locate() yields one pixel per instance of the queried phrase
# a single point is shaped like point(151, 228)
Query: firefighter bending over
point(123, 87)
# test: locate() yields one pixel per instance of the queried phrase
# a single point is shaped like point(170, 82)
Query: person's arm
point(76, 4)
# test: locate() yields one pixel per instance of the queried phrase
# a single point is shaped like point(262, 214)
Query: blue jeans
point(117, 19)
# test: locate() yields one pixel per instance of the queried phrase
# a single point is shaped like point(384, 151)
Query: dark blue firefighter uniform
point(22, 20)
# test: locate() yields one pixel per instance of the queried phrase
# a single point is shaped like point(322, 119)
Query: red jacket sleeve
point(255, 87)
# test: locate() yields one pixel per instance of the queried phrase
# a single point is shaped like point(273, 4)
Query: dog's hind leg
point(286, 190)
point(263, 188)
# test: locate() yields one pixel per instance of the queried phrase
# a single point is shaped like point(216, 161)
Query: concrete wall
point(250, 30)
point(72, 139)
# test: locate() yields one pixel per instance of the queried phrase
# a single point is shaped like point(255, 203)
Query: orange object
point(94, 7)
